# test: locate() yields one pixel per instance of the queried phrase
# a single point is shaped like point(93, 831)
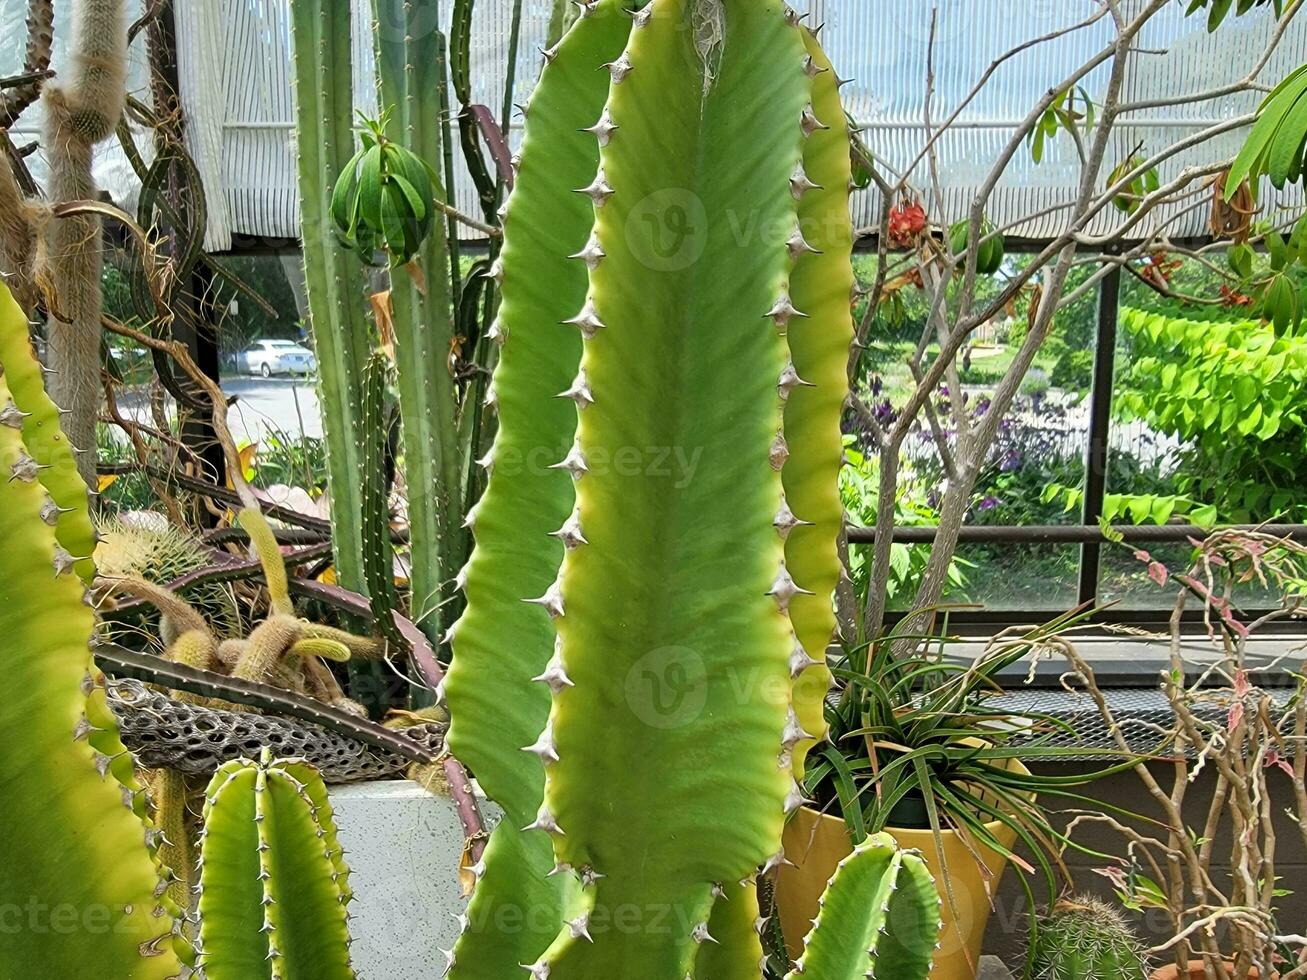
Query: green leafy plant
point(1137, 187)
point(1233, 393)
point(717, 563)
point(384, 200)
point(1084, 939)
point(1218, 10)
point(1275, 146)
point(915, 744)
point(879, 918)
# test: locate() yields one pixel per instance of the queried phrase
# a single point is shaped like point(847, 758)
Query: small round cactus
point(1084, 938)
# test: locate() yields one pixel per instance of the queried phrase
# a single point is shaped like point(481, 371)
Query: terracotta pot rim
point(894, 831)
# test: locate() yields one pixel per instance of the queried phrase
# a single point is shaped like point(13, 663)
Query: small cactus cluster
point(274, 888)
point(639, 670)
point(1083, 939)
point(879, 918)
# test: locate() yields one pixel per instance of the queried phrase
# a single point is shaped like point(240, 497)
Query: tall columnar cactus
point(678, 437)
point(81, 110)
point(1085, 938)
point(81, 895)
point(342, 334)
point(273, 883)
point(409, 70)
point(28, 407)
point(879, 918)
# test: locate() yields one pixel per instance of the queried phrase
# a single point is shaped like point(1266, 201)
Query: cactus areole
point(639, 670)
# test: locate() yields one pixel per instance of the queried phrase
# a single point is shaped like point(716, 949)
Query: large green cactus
point(80, 893)
point(677, 647)
point(879, 918)
point(28, 405)
point(273, 882)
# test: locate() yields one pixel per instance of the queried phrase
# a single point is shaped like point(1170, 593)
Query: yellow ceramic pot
point(816, 843)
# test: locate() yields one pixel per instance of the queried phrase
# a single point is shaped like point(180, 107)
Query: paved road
point(288, 405)
point(262, 405)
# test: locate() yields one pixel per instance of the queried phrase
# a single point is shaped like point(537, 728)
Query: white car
point(269, 357)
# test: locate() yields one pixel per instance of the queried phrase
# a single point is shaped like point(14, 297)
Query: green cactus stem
point(29, 408)
point(274, 888)
point(333, 276)
point(409, 69)
point(879, 918)
point(75, 857)
point(496, 687)
point(1083, 939)
point(675, 642)
point(662, 604)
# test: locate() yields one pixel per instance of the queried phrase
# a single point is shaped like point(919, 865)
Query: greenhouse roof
point(235, 77)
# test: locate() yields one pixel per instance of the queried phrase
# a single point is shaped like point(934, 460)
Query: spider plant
point(918, 743)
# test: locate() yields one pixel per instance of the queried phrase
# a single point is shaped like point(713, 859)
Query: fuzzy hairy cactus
point(640, 666)
point(81, 110)
point(273, 882)
point(1083, 939)
point(75, 859)
point(879, 918)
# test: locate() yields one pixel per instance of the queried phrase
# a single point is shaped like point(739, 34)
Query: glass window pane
point(1204, 426)
point(1033, 472)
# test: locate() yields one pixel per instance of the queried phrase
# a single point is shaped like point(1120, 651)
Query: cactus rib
point(815, 390)
point(682, 353)
point(27, 403)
